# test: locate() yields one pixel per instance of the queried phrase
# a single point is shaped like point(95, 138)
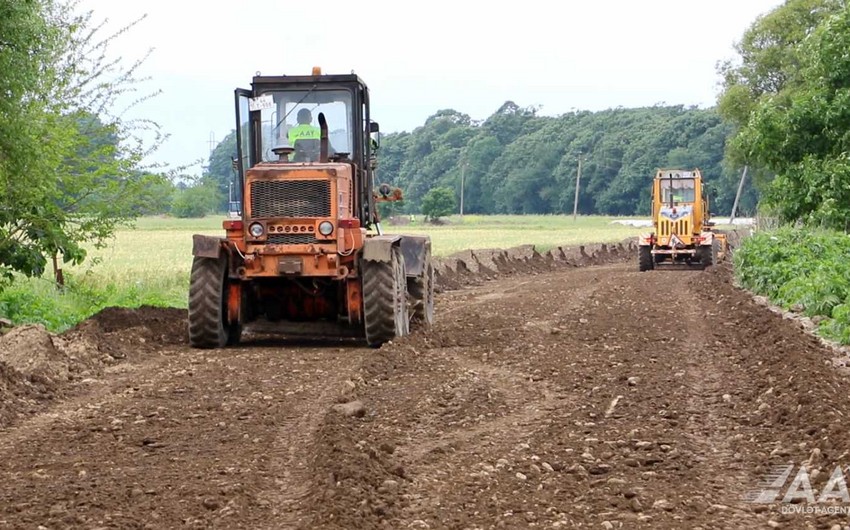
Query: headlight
point(326, 228)
point(256, 230)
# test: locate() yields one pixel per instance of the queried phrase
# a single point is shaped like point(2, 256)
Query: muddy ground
point(567, 391)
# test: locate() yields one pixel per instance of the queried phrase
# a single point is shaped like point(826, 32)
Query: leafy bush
point(196, 201)
point(438, 202)
point(801, 269)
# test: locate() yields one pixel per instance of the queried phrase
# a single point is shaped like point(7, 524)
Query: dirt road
point(593, 397)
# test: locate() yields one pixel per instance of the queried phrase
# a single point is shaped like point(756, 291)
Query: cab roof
point(678, 173)
point(336, 79)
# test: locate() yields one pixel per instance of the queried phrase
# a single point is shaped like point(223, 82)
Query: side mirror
point(373, 127)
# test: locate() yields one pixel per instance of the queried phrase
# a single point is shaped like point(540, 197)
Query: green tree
point(438, 202)
point(69, 170)
point(196, 201)
point(157, 196)
point(27, 50)
point(802, 137)
point(219, 173)
point(769, 65)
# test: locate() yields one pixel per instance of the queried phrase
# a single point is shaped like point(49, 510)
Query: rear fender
point(416, 251)
point(215, 247)
point(379, 248)
point(207, 246)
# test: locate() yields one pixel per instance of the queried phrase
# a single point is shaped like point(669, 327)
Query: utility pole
point(578, 181)
point(462, 179)
point(211, 142)
point(738, 196)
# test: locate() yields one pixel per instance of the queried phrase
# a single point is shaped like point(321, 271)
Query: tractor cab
point(317, 120)
point(678, 191)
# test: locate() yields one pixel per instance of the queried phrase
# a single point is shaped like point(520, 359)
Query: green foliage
point(770, 55)
point(389, 209)
point(220, 173)
point(196, 201)
point(156, 196)
point(69, 171)
point(801, 269)
point(773, 75)
point(801, 134)
point(438, 202)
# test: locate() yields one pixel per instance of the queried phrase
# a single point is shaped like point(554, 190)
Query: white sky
point(420, 57)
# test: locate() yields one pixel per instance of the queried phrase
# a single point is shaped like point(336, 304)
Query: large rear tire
point(208, 304)
point(645, 261)
point(709, 255)
point(420, 290)
point(714, 256)
point(385, 313)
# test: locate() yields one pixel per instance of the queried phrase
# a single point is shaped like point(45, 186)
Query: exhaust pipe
point(323, 142)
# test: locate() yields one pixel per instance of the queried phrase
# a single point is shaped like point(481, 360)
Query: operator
point(304, 130)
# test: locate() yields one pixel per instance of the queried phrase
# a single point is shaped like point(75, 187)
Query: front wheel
point(645, 261)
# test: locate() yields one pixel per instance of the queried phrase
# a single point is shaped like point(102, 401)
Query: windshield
point(294, 120)
point(678, 190)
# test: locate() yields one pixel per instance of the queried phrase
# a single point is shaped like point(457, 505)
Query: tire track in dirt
point(214, 438)
point(526, 397)
point(671, 461)
point(658, 421)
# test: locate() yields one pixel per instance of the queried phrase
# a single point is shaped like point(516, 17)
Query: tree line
point(519, 162)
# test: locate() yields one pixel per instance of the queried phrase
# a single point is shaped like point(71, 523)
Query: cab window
point(295, 112)
point(678, 191)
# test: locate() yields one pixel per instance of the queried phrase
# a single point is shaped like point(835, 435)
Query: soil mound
point(35, 364)
point(471, 267)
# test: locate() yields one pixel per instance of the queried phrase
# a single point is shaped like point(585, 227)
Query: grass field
point(164, 245)
point(503, 231)
point(150, 264)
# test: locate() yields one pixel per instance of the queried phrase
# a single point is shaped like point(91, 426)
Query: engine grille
point(668, 228)
point(292, 239)
point(291, 198)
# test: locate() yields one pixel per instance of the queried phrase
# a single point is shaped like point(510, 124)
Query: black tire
point(645, 261)
point(208, 304)
point(714, 254)
point(709, 254)
point(385, 313)
point(420, 292)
